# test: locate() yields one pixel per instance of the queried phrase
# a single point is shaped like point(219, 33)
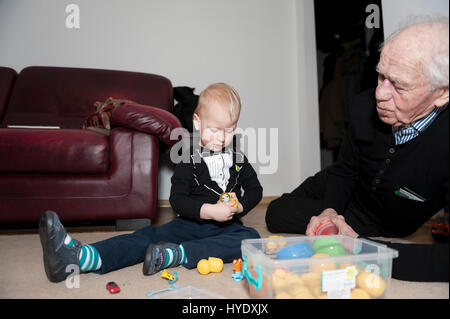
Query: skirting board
point(264, 201)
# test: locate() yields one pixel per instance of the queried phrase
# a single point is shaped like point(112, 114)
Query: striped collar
point(403, 134)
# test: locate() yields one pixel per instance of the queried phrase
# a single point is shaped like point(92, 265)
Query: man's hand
point(220, 212)
point(343, 227)
point(330, 214)
point(315, 221)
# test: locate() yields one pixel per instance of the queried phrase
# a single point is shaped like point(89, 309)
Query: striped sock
point(183, 255)
point(89, 257)
point(68, 241)
point(169, 257)
point(169, 262)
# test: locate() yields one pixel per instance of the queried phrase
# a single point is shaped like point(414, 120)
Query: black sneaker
point(155, 257)
point(57, 255)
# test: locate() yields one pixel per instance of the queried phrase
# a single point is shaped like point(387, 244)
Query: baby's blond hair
point(223, 94)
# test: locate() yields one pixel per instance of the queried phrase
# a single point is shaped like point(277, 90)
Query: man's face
point(402, 94)
point(215, 126)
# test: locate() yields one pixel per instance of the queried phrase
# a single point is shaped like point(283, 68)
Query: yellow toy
point(357, 293)
point(171, 277)
point(203, 267)
point(273, 246)
point(213, 264)
point(320, 267)
point(373, 284)
point(216, 264)
point(226, 197)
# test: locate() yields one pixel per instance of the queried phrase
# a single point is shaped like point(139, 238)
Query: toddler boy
point(205, 226)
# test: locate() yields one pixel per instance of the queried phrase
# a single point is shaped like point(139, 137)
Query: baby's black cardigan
point(188, 192)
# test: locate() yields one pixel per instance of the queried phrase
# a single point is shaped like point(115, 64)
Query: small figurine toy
point(237, 270)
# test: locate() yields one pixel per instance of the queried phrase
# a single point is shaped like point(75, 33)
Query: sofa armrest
point(147, 119)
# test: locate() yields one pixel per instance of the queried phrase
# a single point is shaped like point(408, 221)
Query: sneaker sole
point(47, 235)
point(149, 266)
point(46, 223)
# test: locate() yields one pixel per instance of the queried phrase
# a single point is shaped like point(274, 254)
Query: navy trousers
point(200, 241)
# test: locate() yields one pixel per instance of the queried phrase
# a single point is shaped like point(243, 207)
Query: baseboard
point(267, 199)
point(163, 203)
point(264, 201)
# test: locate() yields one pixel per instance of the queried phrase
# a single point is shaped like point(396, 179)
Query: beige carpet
point(22, 273)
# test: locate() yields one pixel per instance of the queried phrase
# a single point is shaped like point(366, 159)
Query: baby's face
point(216, 126)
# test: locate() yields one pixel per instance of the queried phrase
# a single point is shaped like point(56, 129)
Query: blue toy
point(237, 276)
point(151, 293)
point(300, 250)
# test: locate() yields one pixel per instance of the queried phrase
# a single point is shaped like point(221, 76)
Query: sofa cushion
point(147, 119)
point(53, 151)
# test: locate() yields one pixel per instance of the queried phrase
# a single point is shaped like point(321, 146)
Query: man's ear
point(196, 121)
point(442, 98)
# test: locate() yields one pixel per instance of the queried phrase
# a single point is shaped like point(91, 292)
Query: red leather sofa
point(81, 174)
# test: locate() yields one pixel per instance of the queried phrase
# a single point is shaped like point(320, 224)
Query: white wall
point(396, 11)
point(307, 90)
point(264, 48)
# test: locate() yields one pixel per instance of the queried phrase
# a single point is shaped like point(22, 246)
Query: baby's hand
point(235, 203)
point(220, 212)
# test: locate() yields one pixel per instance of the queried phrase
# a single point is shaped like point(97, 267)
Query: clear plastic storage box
point(334, 267)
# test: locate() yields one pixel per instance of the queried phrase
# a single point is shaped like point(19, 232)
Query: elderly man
point(392, 174)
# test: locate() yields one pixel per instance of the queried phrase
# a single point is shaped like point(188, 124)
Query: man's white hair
point(436, 66)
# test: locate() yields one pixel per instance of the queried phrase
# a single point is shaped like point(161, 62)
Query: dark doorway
point(348, 44)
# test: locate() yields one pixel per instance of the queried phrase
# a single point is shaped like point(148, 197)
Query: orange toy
point(237, 265)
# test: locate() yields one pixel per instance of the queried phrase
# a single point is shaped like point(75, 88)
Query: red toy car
point(440, 231)
point(112, 287)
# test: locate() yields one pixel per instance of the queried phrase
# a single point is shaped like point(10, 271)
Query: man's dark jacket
point(371, 168)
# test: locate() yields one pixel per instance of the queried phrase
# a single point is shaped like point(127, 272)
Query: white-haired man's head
point(436, 64)
point(413, 71)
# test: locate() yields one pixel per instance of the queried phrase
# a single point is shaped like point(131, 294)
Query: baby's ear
point(196, 121)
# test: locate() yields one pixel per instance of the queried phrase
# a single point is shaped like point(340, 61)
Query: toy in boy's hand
point(327, 228)
point(237, 270)
point(300, 250)
point(226, 197)
point(213, 264)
